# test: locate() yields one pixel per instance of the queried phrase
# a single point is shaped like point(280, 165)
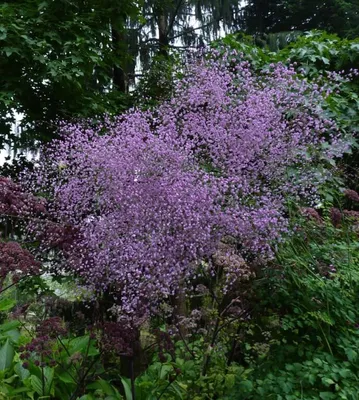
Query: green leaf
point(23, 389)
point(86, 397)
point(127, 387)
point(351, 354)
point(82, 345)
point(7, 304)
point(7, 326)
point(102, 385)
point(21, 372)
point(65, 377)
point(229, 381)
point(9, 51)
point(164, 370)
point(345, 373)
point(79, 345)
point(42, 5)
point(49, 377)
point(36, 384)
point(328, 381)
point(13, 335)
point(327, 395)
point(6, 355)
point(175, 387)
point(43, 388)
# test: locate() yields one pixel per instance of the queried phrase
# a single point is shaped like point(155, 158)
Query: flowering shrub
point(151, 193)
point(16, 202)
point(41, 347)
point(17, 261)
point(141, 216)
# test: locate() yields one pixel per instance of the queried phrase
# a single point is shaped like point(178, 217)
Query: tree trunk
point(163, 34)
point(119, 76)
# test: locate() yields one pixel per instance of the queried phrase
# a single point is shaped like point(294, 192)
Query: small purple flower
point(352, 195)
point(336, 217)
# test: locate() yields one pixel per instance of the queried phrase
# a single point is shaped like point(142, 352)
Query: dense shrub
point(152, 193)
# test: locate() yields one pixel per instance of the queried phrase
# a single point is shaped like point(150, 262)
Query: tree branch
point(195, 29)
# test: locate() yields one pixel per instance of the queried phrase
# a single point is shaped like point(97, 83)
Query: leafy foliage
point(310, 319)
point(335, 16)
point(56, 63)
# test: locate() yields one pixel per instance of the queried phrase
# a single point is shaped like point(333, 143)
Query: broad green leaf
point(328, 381)
point(4, 392)
point(49, 377)
point(42, 5)
point(6, 355)
point(23, 389)
point(246, 386)
point(102, 385)
point(351, 354)
point(21, 371)
point(164, 370)
point(9, 51)
point(7, 304)
point(79, 344)
point(7, 326)
point(65, 377)
point(36, 385)
point(229, 380)
point(127, 387)
point(13, 335)
point(327, 395)
point(177, 389)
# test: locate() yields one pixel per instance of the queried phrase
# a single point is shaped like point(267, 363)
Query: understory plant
point(303, 339)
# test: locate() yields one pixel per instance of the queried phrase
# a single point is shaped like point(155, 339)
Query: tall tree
point(61, 59)
point(337, 16)
point(182, 24)
point(57, 61)
point(173, 27)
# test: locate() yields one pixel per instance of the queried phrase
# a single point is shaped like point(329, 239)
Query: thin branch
point(186, 345)
point(15, 283)
point(195, 29)
point(170, 25)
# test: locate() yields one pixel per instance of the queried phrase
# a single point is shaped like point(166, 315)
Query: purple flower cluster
point(16, 261)
point(41, 348)
point(151, 193)
point(53, 235)
point(15, 202)
point(117, 338)
point(352, 195)
point(311, 214)
point(336, 216)
point(165, 345)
